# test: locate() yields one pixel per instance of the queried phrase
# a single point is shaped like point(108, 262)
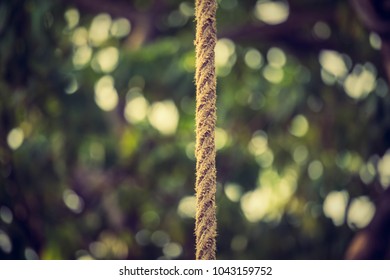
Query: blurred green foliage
point(97, 134)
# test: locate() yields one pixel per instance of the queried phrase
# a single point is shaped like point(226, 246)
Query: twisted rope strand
point(205, 79)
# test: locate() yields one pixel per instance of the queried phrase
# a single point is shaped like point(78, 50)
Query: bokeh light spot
point(30, 254)
point(72, 86)
point(177, 19)
point(384, 169)
point(106, 96)
point(375, 41)
point(265, 159)
point(225, 56)
point(120, 27)
point(73, 201)
point(172, 250)
point(221, 138)
point(361, 81)
point(300, 154)
point(99, 29)
point(187, 9)
point(268, 200)
point(143, 237)
point(160, 238)
point(367, 172)
point(136, 108)
point(335, 205)
point(164, 116)
point(253, 59)
point(239, 243)
point(5, 242)
point(299, 126)
point(187, 207)
point(190, 150)
point(72, 17)
point(272, 12)
point(361, 211)
point(15, 138)
point(82, 56)
point(6, 215)
point(322, 30)
point(150, 219)
point(106, 60)
point(315, 170)
point(80, 36)
point(259, 143)
point(273, 75)
point(233, 191)
point(333, 63)
point(276, 57)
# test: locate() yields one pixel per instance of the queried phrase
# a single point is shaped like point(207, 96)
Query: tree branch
point(374, 14)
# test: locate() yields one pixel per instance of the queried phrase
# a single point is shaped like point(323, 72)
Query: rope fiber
point(205, 79)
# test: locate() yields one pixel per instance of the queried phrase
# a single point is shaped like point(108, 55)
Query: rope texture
point(205, 79)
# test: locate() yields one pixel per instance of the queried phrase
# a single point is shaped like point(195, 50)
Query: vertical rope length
point(205, 79)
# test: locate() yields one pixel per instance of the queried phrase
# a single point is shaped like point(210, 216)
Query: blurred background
point(97, 103)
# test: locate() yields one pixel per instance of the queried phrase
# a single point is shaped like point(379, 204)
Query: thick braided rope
point(206, 223)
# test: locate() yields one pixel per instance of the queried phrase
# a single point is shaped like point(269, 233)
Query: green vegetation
point(97, 108)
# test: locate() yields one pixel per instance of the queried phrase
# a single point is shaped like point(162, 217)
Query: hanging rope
point(206, 222)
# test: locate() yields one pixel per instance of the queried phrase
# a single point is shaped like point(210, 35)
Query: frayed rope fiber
point(205, 79)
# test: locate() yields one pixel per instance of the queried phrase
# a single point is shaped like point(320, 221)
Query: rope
point(205, 186)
